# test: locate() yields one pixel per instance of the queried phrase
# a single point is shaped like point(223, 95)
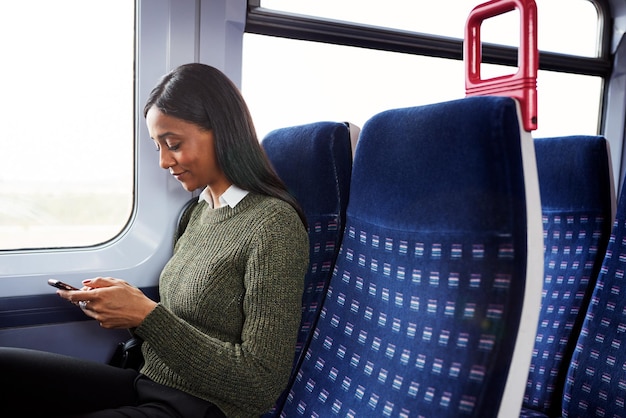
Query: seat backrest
point(577, 203)
point(315, 162)
point(427, 295)
point(596, 381)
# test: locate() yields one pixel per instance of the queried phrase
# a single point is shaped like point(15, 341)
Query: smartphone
point(60, 285)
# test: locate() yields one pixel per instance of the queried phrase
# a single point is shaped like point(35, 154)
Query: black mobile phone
point(60, 285)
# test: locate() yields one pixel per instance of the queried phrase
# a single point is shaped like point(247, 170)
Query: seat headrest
point(569, 168)
point(432, 192)
point(315, 161)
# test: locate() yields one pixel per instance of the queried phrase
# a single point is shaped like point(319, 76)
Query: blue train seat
point(596, 381)
point(430, 293)
point(315, 162)
point(577, 202)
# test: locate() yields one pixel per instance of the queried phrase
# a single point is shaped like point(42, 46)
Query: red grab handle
point(521, 85)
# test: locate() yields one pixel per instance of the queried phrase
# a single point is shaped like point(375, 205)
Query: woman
point(221, 340)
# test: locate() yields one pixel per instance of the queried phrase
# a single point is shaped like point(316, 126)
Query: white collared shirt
point(231, 197)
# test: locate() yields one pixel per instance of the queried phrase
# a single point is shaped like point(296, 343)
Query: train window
point(581, 25)
point(67, 120)
point(316, 81)
point(312, 81)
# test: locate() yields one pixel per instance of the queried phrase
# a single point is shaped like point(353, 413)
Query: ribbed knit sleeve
point(226, 326)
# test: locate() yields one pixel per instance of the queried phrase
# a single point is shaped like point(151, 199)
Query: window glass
point(67, 120)
point(447, 18)
point(311, 81)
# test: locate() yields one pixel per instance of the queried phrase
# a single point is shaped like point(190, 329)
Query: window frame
point(138, 253)
point(263, 21)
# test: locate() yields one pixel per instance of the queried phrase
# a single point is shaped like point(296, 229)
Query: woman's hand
point(112, 302)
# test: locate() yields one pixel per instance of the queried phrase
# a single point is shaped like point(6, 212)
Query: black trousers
point(40, 384)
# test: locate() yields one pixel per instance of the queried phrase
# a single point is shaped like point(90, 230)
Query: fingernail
point(86, 281)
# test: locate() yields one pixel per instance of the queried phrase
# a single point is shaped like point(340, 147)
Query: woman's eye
point(173, 147)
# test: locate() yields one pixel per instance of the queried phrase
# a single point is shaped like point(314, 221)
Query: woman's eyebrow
point(163, 136)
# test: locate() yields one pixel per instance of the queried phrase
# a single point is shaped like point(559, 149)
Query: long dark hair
point(203, 95)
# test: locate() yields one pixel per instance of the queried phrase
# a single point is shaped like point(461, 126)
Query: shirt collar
point(231, 197)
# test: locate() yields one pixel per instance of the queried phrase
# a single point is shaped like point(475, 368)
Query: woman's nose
point(166, 160)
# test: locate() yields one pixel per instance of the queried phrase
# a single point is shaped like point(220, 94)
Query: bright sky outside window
point(67, 117)
point(447, 18)
point(312, 81)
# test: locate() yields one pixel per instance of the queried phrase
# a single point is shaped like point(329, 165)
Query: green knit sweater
point(226, 325)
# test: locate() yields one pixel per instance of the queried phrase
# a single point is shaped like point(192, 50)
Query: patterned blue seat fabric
point(315, 162)
point(596, 381)
point(422, 312)
point(576, 201)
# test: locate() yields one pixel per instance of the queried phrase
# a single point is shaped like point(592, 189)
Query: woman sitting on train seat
point(221, 340)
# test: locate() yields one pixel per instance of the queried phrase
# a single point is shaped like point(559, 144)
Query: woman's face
point(187, 151)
